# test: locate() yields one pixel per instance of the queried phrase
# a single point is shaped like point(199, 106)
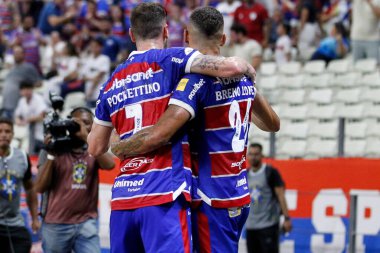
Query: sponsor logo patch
point(135, 163)
point(182, 84)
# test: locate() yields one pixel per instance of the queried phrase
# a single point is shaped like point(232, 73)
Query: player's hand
point(48, 138)
point(36, 225)
point(287, 226)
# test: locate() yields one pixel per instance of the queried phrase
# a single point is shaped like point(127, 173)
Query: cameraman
point(70, 179)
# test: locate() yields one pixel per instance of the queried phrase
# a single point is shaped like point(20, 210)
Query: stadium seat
point(317, 148)
point(20, 132)
point(1, 101)
point(349, 79)
point(314, 67)
point(373, 129)
point(366, 65)
point(356, 129)
point(267, 83)
point(322, 111)
point(293, 96)
point(371, 95)
point(294, 112)
point(294, 130)
point(338, 66)
point(321, 96)
point(354, 147)
point(75, 99)
point(291, 149)
point(317, 81)
point(372, 110)
point(255, 132)
point(372, 148)
point(293, 82)
point(354, 111)
point(324, 129)
point(371, 80)
point(268, 68)
point(290, 68)
point(349, 95)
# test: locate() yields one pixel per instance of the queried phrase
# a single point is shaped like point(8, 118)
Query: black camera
point(62, 130)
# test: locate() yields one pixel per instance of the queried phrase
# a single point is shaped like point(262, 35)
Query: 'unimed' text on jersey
point(218, 140)
point(135, 96)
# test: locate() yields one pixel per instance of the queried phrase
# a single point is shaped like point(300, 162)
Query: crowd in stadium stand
point(71, 46)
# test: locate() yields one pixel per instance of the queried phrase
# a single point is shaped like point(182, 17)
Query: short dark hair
point(148, 20)
point(98, 40)
point(26, 85)
point(6, 121)
point(257, 145)
point(82, 110)
point(239, 29)
point(209, 21)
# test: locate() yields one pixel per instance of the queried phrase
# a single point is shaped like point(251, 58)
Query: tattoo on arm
point(207, 62)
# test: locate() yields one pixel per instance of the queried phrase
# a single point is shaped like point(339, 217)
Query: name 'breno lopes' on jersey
point(134, 97)
point(219, 136)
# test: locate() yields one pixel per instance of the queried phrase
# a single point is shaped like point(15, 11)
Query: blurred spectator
point(334, 46)
point(49, 52)
point(268, 203)
point(273, 23)
point(283, 45)
point(254, 17)
point(96, 70)
point(309, 31)
point(335, 11)
point(22, 71)
point(53, 16)
point(30, 112)
point(176, 26)
point(119, 28)
point(228, 8)
point(30, 8)
point(244, 47)
point(112, 44)
point(69, 180)
point(9, 17)
point(90, 18)
point(30, 39)
point(15, 170)
point(365, 34)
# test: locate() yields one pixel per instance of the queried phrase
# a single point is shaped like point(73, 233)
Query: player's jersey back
point(135, 97)
point(219, 137)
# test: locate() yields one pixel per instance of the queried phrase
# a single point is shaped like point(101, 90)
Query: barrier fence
point(334, 205)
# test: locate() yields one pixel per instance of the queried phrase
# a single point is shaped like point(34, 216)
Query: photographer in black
point(68, 175)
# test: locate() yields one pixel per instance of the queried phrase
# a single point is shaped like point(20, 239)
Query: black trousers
point(264, 240)
point(19, 236)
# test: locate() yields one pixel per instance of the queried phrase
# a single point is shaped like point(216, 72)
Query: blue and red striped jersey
point(219, 136)
point(135, 97)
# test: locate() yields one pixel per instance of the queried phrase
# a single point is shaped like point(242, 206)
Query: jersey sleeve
point(182, 59)
point(188, 93)
point(102, 111)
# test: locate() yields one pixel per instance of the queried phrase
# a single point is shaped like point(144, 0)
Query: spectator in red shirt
point(254, 17)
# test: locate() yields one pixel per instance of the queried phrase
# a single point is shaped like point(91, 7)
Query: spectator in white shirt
point(283, 45)
point(95, 71)
point(242, 46)
point(30, 112)
point(227, 8)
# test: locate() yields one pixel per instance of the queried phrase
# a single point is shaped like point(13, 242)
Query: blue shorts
point(154, 229)
point(217, 230)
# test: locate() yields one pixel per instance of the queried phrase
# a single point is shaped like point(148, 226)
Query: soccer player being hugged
point(219, 110)
point(150, 209)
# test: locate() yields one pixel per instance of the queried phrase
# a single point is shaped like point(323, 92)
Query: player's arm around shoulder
point(220, 66)
point(263, 115)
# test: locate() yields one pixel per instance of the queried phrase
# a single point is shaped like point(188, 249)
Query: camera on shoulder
point(62, 130)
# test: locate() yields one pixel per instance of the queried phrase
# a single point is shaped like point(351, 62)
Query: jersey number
point(134, 111)
point(235, 122)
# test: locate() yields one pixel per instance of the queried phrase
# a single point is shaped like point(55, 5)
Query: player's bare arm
point(263, 116)
point(222, 67)
point(151, 138)
point(98, 139)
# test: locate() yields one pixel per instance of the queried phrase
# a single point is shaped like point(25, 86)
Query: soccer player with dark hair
point(222, 110)
point(150, 212)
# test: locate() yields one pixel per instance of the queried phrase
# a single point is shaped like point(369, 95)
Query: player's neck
point(149, 44)
point(207, 49)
